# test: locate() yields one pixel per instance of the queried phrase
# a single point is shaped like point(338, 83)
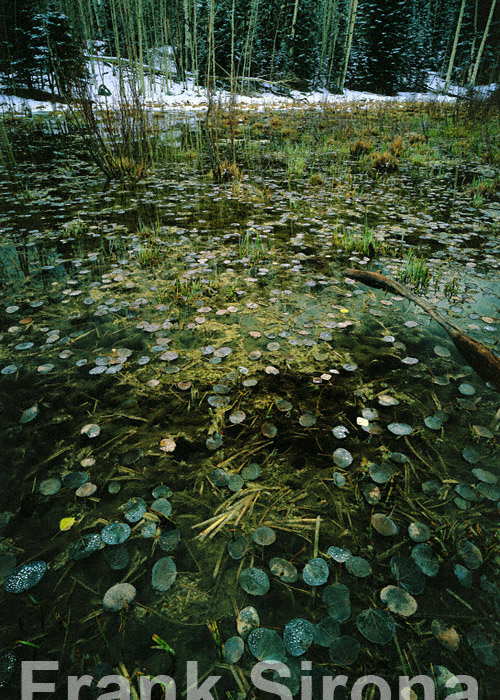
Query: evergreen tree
point(378, 46)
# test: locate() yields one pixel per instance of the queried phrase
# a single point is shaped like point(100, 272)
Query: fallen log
point(479, 357)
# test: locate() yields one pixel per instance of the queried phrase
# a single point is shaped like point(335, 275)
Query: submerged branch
point(480, 358)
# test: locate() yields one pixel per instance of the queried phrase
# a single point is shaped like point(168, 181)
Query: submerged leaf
point(345, 650)
point(254, 581)
point(376, 625)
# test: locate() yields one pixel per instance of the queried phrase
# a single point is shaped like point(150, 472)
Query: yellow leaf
point(344, 311)
point(66, 524)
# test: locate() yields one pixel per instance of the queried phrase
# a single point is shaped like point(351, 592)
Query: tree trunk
point(353, 7)
point(294, 26)
point(472, 81)
point(454, 48)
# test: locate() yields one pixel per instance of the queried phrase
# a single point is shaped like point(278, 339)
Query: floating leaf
point(264, 536)
point(381, 474)
point(400, 428)
point(269, 430)
point(441, 351)
point(238, 547)
point(163, 574)
point(66, 523)
point(307, 420)
point(340, 432)
point(338, 554)
point(463, 575)
point(214, 442)
point(167, 445)
point(254, 581)
point(337, 598)
point(326, 631)
point(284, 569)
point(466, 389)
point(298, 636)
point(235, 482)
point(49, 487)
point(91, 430)
point(86, 490)
point(118, 597)
point(386, 400)
point(29, 414)
point(376, 625)
point(372, 494)
point(448, 636)
point(85, 546)
point(25, 577)
point(342, 458)
point(471, 455)
point(485, 476)
point(359, 567)
point(233, 649)
point(115, 533)
point(135, 509)
point(483, 649)
point(489, 491)
point(470, 554)
point(75, 479)
point(482, 431)
point(384, 525)
point(162, 506)
point(433, 422)
point(425, 559)
point(339, 479)
point(8, 663)
point(237, 417)
point(408, 575)
point(315, 572)
point(169, 539)
point(344, 651)
point(162, 491)
point(266, 644)
point(218, 477)
point(398, 601)
point(419, 532)
point(251, 472)
point(247, 620)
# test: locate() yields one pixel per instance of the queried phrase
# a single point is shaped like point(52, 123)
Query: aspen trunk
point(472, 81)
point(454, 48)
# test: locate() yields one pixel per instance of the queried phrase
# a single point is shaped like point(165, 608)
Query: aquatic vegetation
point(415, 271)
point(280, 462)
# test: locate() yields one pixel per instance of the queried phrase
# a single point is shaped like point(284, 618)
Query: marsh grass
point(415, 271)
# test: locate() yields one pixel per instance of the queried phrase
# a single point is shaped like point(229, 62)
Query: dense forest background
point(382, 46)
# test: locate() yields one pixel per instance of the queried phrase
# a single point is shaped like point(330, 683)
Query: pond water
point(198, 402)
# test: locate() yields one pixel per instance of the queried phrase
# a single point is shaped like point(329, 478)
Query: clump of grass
point(484, 187)
point(250, 247)
point(383, 161)
point(365, 243)
point(149, 255)
point(316, 179)
point(227, 171)
point(397, 146)
point(360, 148)
point(415, 138)
point(74, 228)
point(415, 271)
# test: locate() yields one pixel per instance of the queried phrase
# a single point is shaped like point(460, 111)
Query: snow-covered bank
point(188, 96)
